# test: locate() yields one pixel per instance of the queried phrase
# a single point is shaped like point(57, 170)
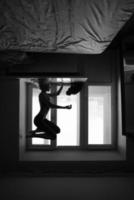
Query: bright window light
point(68, 119)
point(99, 115)
point(64, 80)
point(35, 110)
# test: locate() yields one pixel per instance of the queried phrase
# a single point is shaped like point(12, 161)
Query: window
point(92, 129)
point(97, 131)
point(99, 115)
point(68, 120)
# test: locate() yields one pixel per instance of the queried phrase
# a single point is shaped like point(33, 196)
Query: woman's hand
point(68, 107)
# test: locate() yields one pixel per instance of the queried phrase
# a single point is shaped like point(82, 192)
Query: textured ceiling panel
point(65, 26)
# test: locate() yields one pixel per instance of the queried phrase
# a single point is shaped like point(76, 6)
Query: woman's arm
point(60, 107)
point(57, 92)
point(46, 102)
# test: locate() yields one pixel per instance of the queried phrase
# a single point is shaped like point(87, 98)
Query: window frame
point(83, 116)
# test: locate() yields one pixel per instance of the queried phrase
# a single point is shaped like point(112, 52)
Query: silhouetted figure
point(48, 128)
point(75, 88)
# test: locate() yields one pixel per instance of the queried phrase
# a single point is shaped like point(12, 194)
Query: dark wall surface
point(94, 188)
point(97, 65)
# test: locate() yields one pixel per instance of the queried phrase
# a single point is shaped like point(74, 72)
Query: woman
point(48, 128)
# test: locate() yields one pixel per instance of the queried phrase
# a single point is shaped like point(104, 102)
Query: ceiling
point(29, 28)
point(67, 26)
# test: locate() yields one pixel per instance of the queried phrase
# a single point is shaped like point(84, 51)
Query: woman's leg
point(46, 132)
point(44, 124)
point(49, 127)
point(53, 126)
point(39, 123)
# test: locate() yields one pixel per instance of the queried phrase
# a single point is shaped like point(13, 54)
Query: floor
point(44, 188)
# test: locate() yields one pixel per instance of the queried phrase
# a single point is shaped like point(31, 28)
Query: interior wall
point(129, 118)
point(9, 103)
point(9, 118)
point(129, 93)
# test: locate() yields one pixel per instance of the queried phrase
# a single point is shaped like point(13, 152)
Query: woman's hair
point(75, 88)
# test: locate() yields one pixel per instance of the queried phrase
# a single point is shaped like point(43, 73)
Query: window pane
point(65, 80)
point(68, 120)
point(35, 110)
point(99, 115)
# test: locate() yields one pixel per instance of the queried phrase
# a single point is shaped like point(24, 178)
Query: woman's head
point(44, 84)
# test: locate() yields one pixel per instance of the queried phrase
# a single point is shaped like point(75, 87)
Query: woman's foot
point(33, 134)
point(48, 136)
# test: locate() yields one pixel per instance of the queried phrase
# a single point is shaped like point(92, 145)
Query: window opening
point(99, 115)
point(97, 125)
point(68, 120)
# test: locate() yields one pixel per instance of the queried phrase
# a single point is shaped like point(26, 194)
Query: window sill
point(70, 155)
